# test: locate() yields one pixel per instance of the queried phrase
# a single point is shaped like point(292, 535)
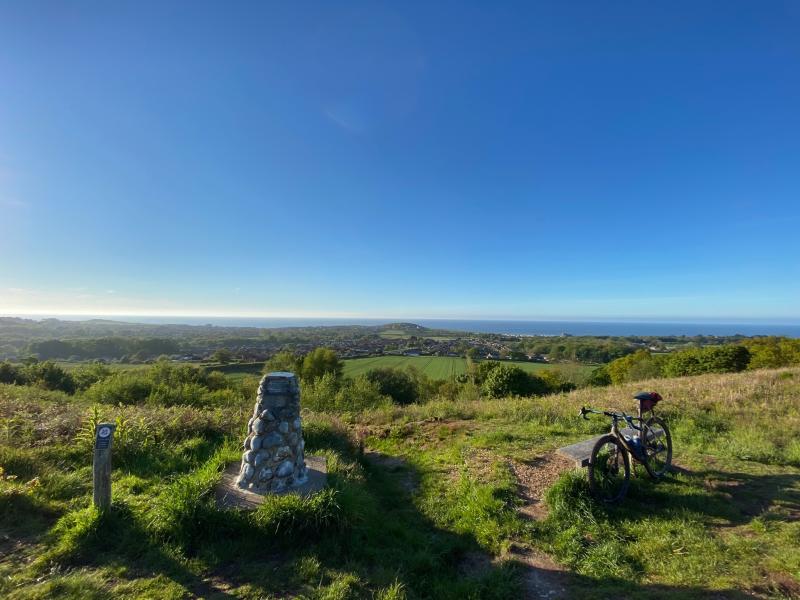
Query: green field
point(437, 367)
point(400, 334)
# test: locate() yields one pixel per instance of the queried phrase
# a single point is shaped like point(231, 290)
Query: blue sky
point(432, 159)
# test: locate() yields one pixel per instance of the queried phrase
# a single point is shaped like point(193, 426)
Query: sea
point(513, 327)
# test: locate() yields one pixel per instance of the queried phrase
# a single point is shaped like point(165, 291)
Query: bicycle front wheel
point(609, 470)
point(658, 447)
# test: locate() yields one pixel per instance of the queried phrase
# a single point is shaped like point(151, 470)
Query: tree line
point(107, 347)
point(750, 353)
point(325, 387)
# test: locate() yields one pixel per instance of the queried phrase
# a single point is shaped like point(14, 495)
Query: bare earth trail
point(542, 577)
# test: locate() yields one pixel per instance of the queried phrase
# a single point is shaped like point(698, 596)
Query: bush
point(166, 384)
point(396, 384)
point(320, 361)
point(635, 367)
point(773, 352)
point(483, 369)
point(326, 393)
point(711, 359)
point(510, 380)
point(49, 376)
point(11, 374)
point(87, 375)
point(124, 387)
point(284, 361)
point(556, 381)
point(599, 377)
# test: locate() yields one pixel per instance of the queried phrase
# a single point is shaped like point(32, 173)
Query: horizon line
point(393, 319)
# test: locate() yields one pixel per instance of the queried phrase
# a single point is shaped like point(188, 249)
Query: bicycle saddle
point(648, 399)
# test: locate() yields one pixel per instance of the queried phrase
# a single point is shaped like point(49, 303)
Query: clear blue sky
point(528, 160)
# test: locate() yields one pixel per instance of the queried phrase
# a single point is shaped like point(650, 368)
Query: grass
point(438, 367)
point(431, 512)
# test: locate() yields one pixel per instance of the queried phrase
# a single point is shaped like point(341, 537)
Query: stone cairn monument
point(273, 459)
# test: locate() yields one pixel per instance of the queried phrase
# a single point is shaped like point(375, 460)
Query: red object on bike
point(647, 400)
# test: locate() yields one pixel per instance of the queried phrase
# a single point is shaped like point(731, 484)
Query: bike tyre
point(648, 464)
point(595, 473)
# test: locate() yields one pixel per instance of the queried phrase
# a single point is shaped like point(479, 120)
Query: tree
point(284, 361)
point(556, 380)
point(772, 352)
point(222, 355)
point(483, 369)
point(320, 361)
point(399, 386)
point(510, 380)
point(599, 377)
point(634, 367)
point(713, 359)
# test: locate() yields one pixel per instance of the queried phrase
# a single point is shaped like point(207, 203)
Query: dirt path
point(543, 578)
point(534, 478)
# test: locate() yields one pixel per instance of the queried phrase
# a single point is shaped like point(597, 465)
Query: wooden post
point(103, 438)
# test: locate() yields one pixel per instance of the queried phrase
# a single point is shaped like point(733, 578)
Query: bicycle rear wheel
point(609, 470)
point(658, 447)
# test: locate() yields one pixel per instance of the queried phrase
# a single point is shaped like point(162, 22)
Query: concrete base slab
point(229, 495)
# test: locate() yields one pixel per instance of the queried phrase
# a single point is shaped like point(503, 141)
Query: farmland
point(436, 367)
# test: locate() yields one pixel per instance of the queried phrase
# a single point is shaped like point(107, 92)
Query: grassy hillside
point(449, 500)
point(438, 367)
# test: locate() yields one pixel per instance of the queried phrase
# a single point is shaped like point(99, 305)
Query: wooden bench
point(581, 451)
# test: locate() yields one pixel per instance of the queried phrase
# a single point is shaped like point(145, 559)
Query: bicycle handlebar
point(621, 415)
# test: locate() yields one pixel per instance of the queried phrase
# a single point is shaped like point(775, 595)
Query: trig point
point(274, 460)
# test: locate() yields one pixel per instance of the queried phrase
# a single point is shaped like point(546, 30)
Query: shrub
point(124, 387)
point(11, 374)
point(510, 380)
point(556, 381)
point(396, 384)
point(50, 376)
point(166, 385)
point(284, 361)
point(87, 375)
point(712, 359)
point(599, 377)
point(327, 393)
point(773, 352)
point(483, 369)
point(320, 361)
point(634, 367)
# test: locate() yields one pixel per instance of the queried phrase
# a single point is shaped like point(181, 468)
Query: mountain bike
point(645, 441)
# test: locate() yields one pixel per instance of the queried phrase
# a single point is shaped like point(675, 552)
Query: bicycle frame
point(615, 418)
